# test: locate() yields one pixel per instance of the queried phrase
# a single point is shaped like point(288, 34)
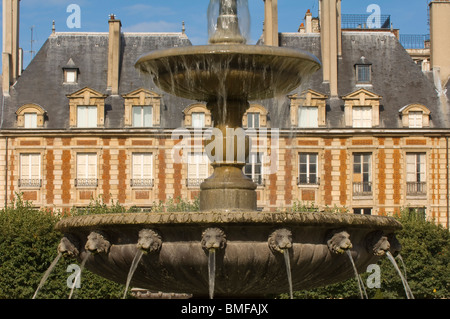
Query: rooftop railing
point(415, 41)
point(365, 21)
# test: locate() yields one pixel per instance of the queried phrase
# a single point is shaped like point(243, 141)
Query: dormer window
point(308, 110)
point(197, 116)
point(363, 71)
point(30, 116)
point(70, 72)
point(71, 76)
point(415, 116)
point(255, 117)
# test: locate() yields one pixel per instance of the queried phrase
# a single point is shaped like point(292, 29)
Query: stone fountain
point(228, 249)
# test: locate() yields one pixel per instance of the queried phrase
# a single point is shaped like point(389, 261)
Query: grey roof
point(395, 77)
point(42, 81)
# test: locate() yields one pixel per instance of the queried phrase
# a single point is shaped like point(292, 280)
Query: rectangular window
point(308, 169)
point(86, 170)
point(415, 119)
point(362, 211)
point(416, 174)
point(362, 174)
point(308, 117)
point(142, 166)
point(254, 169)
point(70, 76)
point(30, 120)
point(363, 74)
point(362, 116)
point(142, 116)
point(30, 170)
point(86, 116)
point(253, 120)
point(198, 120)
point(197, 168)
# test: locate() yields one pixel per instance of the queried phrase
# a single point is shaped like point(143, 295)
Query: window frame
point(30, 181)
point(144, 180)
point(86, 181)
point(362, 187)
point(194, 180)
point(88, 117)
point(309, 181)
point(252, 165)
point(141, 116)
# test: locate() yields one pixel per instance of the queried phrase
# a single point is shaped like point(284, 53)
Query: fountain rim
point(300, 219)
point(226, 49)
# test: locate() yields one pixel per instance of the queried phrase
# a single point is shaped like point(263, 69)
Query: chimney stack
point(114, 49)
point(10, 56)
point(331, 39)
point(271, 22)
point(439, 40)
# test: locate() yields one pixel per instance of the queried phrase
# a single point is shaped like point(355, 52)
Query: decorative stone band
point(307, 219)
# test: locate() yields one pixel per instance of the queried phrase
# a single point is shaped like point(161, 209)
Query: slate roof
point(395, 77)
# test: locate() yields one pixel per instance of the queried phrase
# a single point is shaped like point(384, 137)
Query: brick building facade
point(379, 145)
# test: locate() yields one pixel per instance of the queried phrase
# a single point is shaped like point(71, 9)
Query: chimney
point(439, 40)
point(114, 49)
point(10, 55)
point(330, 17)
point(308, 21)
point(271, 22)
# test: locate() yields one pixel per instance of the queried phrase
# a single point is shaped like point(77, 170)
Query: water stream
point(349, 254)
point(134, 264)
point(212, 272)
point(287, 261)
point(77, 278)
point(409, 294)
point(47, 274)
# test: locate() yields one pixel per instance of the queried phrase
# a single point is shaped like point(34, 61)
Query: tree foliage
point(425, 259)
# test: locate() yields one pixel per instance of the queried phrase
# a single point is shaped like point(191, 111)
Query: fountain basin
point(247, 265)
point(229, 71)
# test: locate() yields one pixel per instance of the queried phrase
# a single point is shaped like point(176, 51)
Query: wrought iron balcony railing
point(86, 182)
point(416, 188)
point(362, 189)
point(31, 183)
point(305, 181)
point(194, 182)
point(142, 182)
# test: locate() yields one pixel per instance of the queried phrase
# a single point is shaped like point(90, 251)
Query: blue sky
point(410, 16)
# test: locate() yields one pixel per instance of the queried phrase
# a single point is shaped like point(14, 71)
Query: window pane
point(363, 73)
point(308, 117)
point(415, 119)
point(137, 116)
point(71, 76)
point(362, 116)
point(198, 120)
point(30, 120)
point(148, 116)
point(81, 116)
point(253, 120)
point(92, 116)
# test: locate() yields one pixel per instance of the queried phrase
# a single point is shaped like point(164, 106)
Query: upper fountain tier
point(227, 68)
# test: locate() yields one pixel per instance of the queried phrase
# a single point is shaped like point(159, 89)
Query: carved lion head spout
point(280, 240)
point(213, 239)
point(97, 242)
point(377, 243)
point(339, 242)
point(69, 246)
point(396, 247)
point(149, 241)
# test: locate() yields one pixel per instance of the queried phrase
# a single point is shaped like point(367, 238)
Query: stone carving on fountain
point(280, 240)
point(339, 241)
point(149, 241)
